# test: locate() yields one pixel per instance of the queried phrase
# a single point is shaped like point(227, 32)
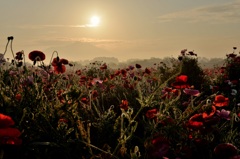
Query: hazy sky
point(128, 28)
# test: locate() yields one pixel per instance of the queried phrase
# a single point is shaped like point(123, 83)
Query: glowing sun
point(95, 20)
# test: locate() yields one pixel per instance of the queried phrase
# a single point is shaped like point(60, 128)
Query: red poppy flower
point(151, 113)
point(221, 101)
point(94, 94)
point(124, 72)
point(78, 72)
point(103, 67)
point(159, 147)
point(131, 67)
point(8, 135)
point(196, 121)
point(192, 53)
point(58, 66)
point(11, 141)
point(225, 150)
point(183, 52)
point(5, 121)
point(138, 66)
point(209, 112)
point(19, 55)
point(181, 82)
point(147, 71)
point(36, 55)
point(18, 96)
point(9, 132)
point(124, 104)
point(231, 55)
point(59, 69)
point(117, 72)
point(84, 100)
point(182, 78)
point(64, 61)
point(62, 120)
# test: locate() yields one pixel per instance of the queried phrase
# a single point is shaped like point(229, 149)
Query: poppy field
point(168, 111)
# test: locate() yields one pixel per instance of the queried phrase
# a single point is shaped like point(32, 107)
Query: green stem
point(52, 57)
point(124, 132)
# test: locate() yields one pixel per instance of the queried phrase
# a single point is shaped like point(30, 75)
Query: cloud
point(54, 26)
point(218, 13)
point(83, 40)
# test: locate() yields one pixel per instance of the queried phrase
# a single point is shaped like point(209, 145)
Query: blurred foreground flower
point(225, 151)
point(8, 135)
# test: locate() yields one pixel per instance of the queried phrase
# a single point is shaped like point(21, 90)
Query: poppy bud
point(10, 38)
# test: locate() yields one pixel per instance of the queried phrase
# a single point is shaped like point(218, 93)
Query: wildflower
point(117, 72)
point(225, 150)
point(123, 72)
point(62, 120)
point(147, 71)
point(150, 114)
point(78, 72)
point(221, 101)
point(180, 58)
point(183, 52)
point(131, 67)
point(225, 114)
point(181, 82)
point(8, 135)
point(103, 67)
point(209, 112)
point(94, 94)
point(232, 55)
point(138, 66)
point(64, 61)
point(167, 121)
point(124, 105)
point(36, 55)
point(192, 92)
point(196, 121)
point(158, 147)
point(192, 53)
point(58, 66)
point(59, 69)
point(84, 100)
point(96, 81)
point(18, 97)
point(19, 55)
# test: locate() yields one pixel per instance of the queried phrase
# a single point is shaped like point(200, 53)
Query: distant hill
point(78, 51)
point(114, 63)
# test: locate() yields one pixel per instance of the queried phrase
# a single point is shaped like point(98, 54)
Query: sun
point(95, 20)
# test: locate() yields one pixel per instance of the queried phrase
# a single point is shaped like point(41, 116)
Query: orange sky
point(128, 29)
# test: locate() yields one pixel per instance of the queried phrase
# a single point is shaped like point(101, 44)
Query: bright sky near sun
point(125, 29)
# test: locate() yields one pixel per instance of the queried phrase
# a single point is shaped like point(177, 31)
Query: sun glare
point(95, 20)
